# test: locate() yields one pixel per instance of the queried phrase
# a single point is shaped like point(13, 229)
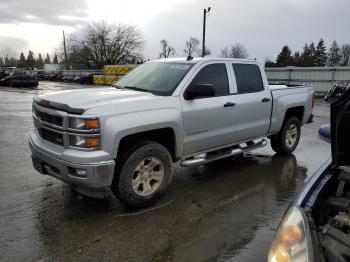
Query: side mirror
point(199, 91)
point(325, 133)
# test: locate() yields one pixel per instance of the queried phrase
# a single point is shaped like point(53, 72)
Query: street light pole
point(65, 51)
point(205, 11)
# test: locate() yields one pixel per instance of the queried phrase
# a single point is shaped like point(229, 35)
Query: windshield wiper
point(133, 88)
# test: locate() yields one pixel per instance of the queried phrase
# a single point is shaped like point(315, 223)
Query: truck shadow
point(210, 211)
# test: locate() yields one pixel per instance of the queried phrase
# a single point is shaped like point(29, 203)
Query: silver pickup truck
point(126, 138)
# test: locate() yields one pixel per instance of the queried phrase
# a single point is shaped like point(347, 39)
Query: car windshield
point(159, 78)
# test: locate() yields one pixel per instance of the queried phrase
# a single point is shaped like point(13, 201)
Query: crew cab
point(126, 138)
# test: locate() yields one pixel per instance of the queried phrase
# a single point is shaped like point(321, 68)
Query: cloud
point(53, 12)
point(262, 26)
point(9, 45)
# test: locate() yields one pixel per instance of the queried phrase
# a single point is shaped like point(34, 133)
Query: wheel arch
point(297, 111)
point(165, 136)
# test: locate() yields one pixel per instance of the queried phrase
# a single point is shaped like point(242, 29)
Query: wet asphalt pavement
point(226, 211)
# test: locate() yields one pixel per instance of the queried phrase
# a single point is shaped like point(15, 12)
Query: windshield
point(160, 78)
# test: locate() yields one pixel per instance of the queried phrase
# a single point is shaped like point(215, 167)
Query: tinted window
point(248, 78)
point(216, 75)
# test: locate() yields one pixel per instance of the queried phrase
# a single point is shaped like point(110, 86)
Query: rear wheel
point(287, 139)
point(143, 174)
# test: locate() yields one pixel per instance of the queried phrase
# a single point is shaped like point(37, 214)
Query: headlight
point(84, 123)
point(290, 243)
point(93, 142)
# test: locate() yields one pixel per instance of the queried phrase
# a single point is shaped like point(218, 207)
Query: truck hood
point(79, 100)
point(340, 130)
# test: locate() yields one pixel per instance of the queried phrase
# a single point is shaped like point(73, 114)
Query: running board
point(195, 161)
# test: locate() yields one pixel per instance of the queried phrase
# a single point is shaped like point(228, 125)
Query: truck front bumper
point(91, 176)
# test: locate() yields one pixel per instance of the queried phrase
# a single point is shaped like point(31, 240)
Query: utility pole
point(205, 11)
point(65, 51)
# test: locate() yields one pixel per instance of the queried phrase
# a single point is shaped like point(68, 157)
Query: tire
point(283, 145)
point(143, 174)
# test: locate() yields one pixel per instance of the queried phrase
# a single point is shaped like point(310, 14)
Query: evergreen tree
point(345, 53)
point(297, 61)
point(1, 61)
point(320, 58)
point(22, 63)
point(7, 61)
point(306, 57)
point(55, 59)
point(334, 55)
point(13, 61)
point(39, 62)
point(313, 54)
point(30, 60)
point(10, 61)
point(269, 63)
point(284, 58)
point(47, 59)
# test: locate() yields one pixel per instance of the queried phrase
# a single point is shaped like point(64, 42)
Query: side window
point(216, 75)
point(248, 78)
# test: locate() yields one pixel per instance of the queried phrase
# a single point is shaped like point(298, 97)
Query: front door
point(209, 122)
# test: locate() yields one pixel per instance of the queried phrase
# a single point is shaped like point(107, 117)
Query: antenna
point(189, 57)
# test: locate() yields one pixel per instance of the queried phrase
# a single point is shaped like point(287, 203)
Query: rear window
point(248, 78)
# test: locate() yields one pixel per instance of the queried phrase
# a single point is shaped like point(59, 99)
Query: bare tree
point(191, 46)
point(225, 52)
point(345, 52)
point(166, 49)
point(235, 51)
point(8, 56)
point(102, 43)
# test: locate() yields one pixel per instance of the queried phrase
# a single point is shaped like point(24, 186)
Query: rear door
point(209, 122)
point(253, 102)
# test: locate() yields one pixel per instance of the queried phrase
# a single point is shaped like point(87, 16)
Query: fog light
point(77, 172)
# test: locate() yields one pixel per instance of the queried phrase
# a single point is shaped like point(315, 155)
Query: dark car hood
point(340, 130)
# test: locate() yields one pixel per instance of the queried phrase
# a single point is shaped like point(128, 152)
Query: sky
point(263, 26)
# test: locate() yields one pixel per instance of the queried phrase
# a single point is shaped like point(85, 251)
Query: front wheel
point(287, 139)
point(144, 175)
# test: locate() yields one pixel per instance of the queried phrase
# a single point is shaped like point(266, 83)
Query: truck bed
point(279, 86)
point(289, 96)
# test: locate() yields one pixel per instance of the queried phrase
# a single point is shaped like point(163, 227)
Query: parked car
point(316, 226)
point(87, 79)
point(192, 111)
point(19, 81)
point(56, 76)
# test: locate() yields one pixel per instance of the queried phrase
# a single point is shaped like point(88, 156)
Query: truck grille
point(51, 119)
point(51, 136)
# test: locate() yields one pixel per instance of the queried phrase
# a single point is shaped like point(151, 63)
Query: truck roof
point(202, 59)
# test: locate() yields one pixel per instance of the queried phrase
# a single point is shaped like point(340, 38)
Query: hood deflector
point(340, 130)
point(58, 106)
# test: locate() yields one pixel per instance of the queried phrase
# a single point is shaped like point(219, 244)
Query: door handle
point(229, 104)
point(265, 99)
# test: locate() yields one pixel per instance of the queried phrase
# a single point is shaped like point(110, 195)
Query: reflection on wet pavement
point(226, 210)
